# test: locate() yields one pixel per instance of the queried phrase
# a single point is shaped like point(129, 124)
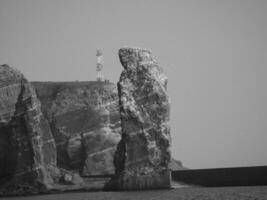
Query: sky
point(213, 52)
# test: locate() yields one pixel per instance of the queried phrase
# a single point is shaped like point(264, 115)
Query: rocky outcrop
point(27, 147)
point(53, 132)
point(85, 121)
point(143, 155)
point(176, 165)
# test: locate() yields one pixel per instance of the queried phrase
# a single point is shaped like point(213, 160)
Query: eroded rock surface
point(27, 147)
point(73, 128)
point(143, 155)
point(85, 121)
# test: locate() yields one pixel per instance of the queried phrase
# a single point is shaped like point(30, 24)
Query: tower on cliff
point(99, 65)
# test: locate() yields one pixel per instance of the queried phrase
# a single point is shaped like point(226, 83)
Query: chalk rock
point(143, 154)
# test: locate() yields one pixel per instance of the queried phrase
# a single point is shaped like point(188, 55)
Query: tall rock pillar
point(27, 147)
point(143, 154)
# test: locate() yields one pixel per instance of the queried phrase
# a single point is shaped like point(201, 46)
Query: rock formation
point(52, 133)
point(89, 142)
point(85, 121)
point(27, 147)
point(143, 154)
point(176, 165)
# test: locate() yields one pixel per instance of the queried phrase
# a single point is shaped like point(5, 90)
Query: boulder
point(143, 155)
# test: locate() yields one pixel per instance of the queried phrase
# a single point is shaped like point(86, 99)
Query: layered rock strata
point(143, 154)
point(76, 126)
point(27, 147)
point(85, 121)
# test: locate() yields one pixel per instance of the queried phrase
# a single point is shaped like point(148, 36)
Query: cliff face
point(143, 155)
point(27, 147)
point(85, 121)
point(81, 120)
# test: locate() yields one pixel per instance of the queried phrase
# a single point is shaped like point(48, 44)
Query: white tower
point(99, 65)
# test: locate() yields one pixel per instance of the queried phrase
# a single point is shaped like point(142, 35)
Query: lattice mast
point(99, 65)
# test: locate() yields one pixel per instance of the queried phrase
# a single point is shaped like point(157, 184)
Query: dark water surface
point(219, 193)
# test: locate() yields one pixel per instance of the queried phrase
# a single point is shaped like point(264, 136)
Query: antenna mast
point(99, 65)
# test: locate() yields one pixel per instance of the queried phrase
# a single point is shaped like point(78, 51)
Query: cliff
point(85, 121)
point(45, 145)
point(51, 133)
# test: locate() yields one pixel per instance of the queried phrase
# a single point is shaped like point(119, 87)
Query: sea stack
point(143, 154)
point(27, 147)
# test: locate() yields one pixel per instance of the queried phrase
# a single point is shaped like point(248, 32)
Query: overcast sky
point(213, 52)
